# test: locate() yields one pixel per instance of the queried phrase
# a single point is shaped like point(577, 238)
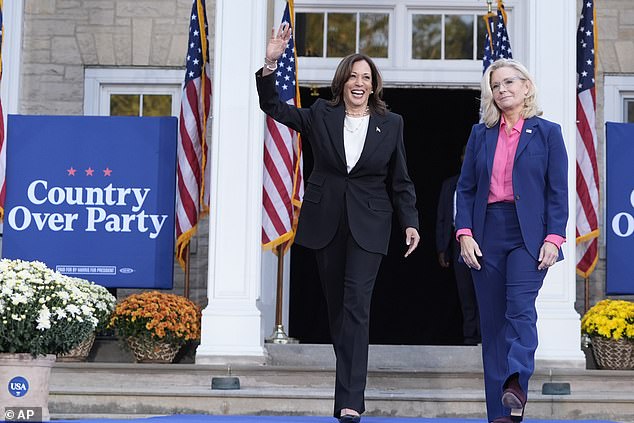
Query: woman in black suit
point(359, 178)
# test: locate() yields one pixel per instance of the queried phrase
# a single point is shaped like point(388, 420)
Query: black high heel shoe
point(347, 418)
point(515, 399)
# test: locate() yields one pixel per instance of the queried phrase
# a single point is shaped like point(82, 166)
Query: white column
point(551, 59)
point(232, 322)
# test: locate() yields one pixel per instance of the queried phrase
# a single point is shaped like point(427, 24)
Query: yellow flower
point(613, 319)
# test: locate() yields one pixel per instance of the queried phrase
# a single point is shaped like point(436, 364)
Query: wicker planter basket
point(147, 350)
point(80, 352)
point(613, 354)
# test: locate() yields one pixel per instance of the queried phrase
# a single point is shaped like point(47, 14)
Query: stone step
point(407, 381)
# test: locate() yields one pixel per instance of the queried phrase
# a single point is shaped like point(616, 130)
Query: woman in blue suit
point(358, 180)
point(512, 209)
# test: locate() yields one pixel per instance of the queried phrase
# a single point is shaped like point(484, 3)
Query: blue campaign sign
point(93, 197)
point(619, 221)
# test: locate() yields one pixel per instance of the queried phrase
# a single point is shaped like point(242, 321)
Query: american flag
point(587, 168)
point(497, 44)
point(192, 179)
point(283, 186)
point(3, 149)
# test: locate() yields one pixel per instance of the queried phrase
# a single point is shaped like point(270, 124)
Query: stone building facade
point(61, 42)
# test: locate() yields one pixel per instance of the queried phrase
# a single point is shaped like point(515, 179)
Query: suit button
point(517, 197)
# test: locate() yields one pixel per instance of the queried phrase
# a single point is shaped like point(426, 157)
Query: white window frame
point(399, 69)
point(101, 83)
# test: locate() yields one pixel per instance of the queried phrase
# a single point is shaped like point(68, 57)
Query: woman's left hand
point(411, 240)
point(548, 255)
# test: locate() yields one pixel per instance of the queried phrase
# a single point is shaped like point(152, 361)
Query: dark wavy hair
point(375, 101)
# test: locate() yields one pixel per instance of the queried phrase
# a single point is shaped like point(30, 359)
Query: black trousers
point(347, 273)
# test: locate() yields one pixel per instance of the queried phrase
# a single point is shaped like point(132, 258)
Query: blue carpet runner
point(303, 419)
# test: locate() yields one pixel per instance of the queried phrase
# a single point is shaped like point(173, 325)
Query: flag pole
point(186, 287)
point(279, 335)
point(490, 5)
point(586, 302)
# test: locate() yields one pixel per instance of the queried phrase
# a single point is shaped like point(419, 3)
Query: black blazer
point(365, 192)
point(444, 219)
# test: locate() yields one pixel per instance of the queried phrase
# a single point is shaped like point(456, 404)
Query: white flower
point(60, 313)
point(44, 319)
point(72, 309)
point(18, 299)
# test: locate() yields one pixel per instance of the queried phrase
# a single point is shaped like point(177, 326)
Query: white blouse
point(354, 132)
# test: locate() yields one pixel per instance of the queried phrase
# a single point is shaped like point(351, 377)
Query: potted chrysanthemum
point(103, 304)
point(42, 313)
point(154, 325)
point(610, 326)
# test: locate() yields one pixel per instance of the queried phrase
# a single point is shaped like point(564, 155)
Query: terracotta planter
point(24, 384)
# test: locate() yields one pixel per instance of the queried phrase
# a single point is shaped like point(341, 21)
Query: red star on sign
point(89, 171)
point(71, 171)
point(107, 171)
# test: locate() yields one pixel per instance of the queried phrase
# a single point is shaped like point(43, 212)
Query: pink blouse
point(501, 187)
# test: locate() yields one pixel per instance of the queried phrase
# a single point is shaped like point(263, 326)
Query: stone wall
point(615, 51)
point(63, 37)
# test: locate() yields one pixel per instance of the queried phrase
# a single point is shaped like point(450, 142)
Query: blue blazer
point(540, 182)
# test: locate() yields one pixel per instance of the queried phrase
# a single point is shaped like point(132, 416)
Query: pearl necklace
point(362, 114)
point(348, 120)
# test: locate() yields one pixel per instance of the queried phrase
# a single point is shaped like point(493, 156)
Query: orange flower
point(158, 315)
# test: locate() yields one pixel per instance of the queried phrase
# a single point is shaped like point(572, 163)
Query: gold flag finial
point(490, 5)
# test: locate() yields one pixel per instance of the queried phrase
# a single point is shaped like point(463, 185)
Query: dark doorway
point(415, 301)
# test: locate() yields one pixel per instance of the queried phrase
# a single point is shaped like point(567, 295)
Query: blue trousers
point(506, 288)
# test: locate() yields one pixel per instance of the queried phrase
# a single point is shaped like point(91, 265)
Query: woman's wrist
point(270, 64)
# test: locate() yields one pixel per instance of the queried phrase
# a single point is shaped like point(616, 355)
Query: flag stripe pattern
point(192, 180)
point(3, 147)
point(497, 44)
point(587, 212)
point(282, 183)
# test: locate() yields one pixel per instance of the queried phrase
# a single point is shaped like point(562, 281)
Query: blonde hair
point(490, 111)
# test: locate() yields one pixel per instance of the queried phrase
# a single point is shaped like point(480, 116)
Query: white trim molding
point(11, 55)
point(99, 82)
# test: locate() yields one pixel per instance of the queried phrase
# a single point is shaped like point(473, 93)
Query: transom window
point(337, 34)
point(447, 36)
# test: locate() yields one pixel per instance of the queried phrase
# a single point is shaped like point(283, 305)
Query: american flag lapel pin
point(529, 131)
point(378, 129)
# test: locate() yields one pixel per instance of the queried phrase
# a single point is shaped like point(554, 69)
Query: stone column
point(232, 322)
point(551, 59)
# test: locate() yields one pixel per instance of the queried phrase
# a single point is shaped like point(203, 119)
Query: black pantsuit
point(346, 218)
point(348, 311)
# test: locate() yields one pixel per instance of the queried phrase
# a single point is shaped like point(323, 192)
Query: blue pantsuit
point(506, 289)
point(510, 236)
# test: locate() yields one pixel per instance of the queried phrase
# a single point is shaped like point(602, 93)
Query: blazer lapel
point(528, 130)
point(333, 120)
point(491, 145)
point(372, 139)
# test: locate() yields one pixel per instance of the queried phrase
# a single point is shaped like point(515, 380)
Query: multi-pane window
point(447, 36)
point(140, 105)
point(337, 34)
